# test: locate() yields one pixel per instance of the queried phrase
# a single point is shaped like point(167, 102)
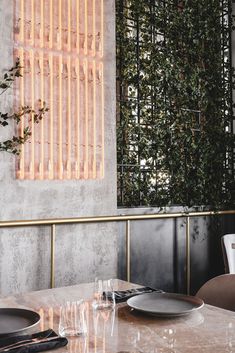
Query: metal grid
point(135, 175)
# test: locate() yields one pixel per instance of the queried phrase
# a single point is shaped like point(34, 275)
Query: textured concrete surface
point(81, 251)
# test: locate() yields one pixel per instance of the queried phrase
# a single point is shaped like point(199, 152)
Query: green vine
point(174, 127)
point(13, 144)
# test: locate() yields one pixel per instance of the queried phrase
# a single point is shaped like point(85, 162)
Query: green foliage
point(174, 131)
point(13, 145)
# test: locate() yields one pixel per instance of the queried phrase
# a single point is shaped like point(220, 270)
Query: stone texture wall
point(82, 252)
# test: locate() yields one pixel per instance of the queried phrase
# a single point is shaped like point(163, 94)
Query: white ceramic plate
point(165, 304)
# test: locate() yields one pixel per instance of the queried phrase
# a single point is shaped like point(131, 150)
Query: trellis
point(144, 43)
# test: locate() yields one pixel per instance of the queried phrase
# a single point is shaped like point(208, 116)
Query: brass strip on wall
point(118, 218)
point(188, 255)
point(52, 255)
point(128, 252)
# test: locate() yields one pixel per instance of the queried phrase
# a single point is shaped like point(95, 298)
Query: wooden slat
point(86, 158)
point(102, 119)
point(77, 164)
point(78, 25)
point(69, 120)
point(94, 120)
point(51, 158)
point(32, 161)
point(60, 122)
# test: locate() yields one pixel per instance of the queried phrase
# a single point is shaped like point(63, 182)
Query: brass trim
point(53, 232)
point(128, 251)
point(188, 256)
point(95, 219)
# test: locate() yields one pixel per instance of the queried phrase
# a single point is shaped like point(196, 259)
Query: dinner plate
point(14, 320)
point(165, 304)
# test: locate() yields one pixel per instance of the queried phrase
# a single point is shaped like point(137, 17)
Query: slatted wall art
point(60, 46)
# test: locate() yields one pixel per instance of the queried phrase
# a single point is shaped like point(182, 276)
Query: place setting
point(17, 324)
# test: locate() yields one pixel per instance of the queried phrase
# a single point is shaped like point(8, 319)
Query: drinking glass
point(73, 319)
point(103, 297)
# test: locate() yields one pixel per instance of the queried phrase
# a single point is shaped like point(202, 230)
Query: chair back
point(219, 291)
point(228, 249)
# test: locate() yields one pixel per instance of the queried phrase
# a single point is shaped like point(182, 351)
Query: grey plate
point(165, 304)
point(14, 320)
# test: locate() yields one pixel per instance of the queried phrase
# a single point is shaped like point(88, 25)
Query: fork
point(27, 342)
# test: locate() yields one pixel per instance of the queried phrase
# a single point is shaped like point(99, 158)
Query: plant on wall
point(175, 122)
point(13, 144)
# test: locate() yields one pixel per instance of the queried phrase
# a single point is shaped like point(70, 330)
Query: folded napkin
point(37, 342)
point(122, 295)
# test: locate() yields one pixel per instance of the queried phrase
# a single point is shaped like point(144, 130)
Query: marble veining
point(123, 330)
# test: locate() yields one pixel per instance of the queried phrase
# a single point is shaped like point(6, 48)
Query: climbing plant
point(175, 124)
point(13, 144)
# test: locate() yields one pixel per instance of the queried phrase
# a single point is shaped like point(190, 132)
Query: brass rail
point(123, 218)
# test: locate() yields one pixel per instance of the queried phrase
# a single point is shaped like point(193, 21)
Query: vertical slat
point(22, 23)
point(51, 160)
point(51, 90)
point(102, 84)
point(69, 25)
point(78, 120)
point(69, 119)
point(77, 25)
point(60, 25)
point(60, 136)
point(86, 121)
point(102, 27)
point(94, 27)
point(86, 28)
point(32, 162)
point(51, 25)
point(102, 120)
point(41, 58)
point(42, 24)
point(94, 86)
point(41, 162)
point(77, 63)
point(94, 119)
point(69, 95)
point(85, 65)
point(32, 22)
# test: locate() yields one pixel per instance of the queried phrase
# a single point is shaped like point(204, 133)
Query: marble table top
point(208, 330)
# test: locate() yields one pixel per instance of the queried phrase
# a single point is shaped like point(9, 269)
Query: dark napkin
point(122, 295)
point(54, 342)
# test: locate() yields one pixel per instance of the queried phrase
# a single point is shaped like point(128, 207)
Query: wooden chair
point(219, 291)
point(228, 249)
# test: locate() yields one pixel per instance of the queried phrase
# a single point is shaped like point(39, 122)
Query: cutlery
point(28, 342)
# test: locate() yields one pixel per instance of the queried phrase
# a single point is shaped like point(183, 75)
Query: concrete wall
point(81, 251)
